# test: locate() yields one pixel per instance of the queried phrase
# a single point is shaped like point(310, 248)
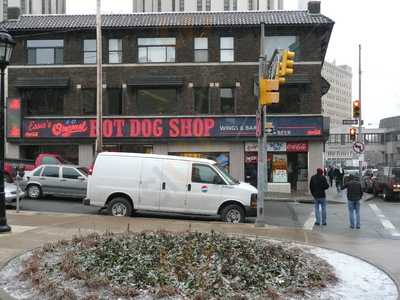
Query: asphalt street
point(379, 219)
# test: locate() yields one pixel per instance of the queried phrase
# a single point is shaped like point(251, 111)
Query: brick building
point(173, 83)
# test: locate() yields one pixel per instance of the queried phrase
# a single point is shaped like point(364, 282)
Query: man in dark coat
point(330, 175)
point(318, 185)
point(354, 195)
point(338, 174)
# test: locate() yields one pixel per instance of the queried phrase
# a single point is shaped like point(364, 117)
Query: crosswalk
point(386, 223)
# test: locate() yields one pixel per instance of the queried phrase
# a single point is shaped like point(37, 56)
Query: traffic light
point(269, 91)
point(286, 65)
point(356, 108)
point(353, 133)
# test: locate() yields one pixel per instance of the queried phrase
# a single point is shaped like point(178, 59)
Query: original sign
point(358, 147)
point(297, 147)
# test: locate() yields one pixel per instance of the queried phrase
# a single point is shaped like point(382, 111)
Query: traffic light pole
point(360, 135)
point(262, 172)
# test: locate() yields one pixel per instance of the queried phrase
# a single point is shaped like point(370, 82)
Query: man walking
point(318, 185)
point(330, 175)
point(354, 195)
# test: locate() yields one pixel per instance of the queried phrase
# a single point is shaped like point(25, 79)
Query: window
point(156, 101)
point(204, 174)
point(199, 5)
point(70, 173)
point(43, 101)
point(37, 172)
point(250, 4)
point(208, 5)
point(89, 51)
point(45, 52)
point(201, 100)
point(114, 51)
point(281, 42)
point(201, 49)
point(88, 100)
point(181, 5)
point(227, 49)
point(153, 50)
point(113, 102)
point(227, 100)
point(51, 172)
point(226, 4)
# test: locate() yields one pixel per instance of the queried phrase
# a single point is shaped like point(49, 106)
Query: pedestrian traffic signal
point(353, 133)
point(269, 91)
point(356, 109)
point(286, 65)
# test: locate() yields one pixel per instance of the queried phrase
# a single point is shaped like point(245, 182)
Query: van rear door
point(174, 185)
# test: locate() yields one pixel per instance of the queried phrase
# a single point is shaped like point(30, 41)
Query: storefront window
point(221, 158)
point(132, 148)
point(156, 101)
point(70, 153)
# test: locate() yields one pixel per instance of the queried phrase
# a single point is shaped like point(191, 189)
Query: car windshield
point(226, 175)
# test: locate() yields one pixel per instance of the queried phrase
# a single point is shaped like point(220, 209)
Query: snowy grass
point(163, 265)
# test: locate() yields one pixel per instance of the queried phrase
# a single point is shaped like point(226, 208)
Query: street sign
point(350, 122)
point(358, 147)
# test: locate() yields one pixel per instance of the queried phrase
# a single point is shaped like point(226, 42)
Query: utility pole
point(262, 172)
point(99, 98)
point(360, 135)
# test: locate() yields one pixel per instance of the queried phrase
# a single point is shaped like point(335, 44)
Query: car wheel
point(386, 195)
point(34, 191)
point(233, 214)
point(120, 207)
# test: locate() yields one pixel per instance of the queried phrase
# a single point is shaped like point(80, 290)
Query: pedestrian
point(354, 195)
point(338, 174)
point(318, 185)
point(330, 175)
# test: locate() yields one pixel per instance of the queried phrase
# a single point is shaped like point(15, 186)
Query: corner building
point(174, 83)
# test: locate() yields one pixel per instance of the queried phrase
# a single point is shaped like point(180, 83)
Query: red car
point(387, 183)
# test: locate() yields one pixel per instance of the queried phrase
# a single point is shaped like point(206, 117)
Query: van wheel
point(233, 214)
point(120, 207)
point(34, 191)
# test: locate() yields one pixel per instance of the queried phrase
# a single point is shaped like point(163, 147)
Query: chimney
point(314, 7)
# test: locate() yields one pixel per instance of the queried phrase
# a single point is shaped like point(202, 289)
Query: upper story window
point(43, 101)
point(88, 101)
point(201, 49)
point(114, 51)
point(230, 4)
point(281, 42)
point(89, 51)
point(45, 52)
point(156, 50)
point(227, 49)
point(227, 100)
point(201, 100)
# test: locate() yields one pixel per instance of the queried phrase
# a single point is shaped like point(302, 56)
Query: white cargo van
point(124, 182)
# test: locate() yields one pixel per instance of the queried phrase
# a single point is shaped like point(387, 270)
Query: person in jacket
point(338, 174)
point(318, 185)
point(330, 175)
point(354, 195)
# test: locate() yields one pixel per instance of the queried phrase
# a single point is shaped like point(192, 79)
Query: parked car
point(387, 183)
point(368, 180)
point(124, 182)
point(57, 180)
point(10, 190)
point(28, 165)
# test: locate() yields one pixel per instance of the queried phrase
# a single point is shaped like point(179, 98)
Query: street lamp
point(7, 44)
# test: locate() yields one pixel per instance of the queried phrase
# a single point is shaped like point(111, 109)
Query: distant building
point(337, 103)
point(205, 5)
point(303, 4)
point(12, 9)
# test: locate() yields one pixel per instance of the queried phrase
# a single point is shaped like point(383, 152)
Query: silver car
point(57, 180)
point(10, 190)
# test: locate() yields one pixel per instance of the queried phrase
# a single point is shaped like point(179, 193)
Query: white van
point(124, 182)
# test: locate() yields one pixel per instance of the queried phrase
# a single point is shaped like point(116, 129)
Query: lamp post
point(7, 44)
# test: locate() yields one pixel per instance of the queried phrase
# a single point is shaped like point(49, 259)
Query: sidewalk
point(31, 230)
point(332, 196)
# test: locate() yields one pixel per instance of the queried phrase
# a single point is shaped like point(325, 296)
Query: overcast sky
point(357, 22)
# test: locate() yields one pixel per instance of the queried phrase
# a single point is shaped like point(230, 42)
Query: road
point(379, 219)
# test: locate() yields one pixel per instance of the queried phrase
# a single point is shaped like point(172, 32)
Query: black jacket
point(318, 185)
point(354, 190)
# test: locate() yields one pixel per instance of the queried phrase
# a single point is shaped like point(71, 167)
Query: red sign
point(297, 147)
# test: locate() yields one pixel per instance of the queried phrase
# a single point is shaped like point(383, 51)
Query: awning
point(156, 81)
point(41, 82)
